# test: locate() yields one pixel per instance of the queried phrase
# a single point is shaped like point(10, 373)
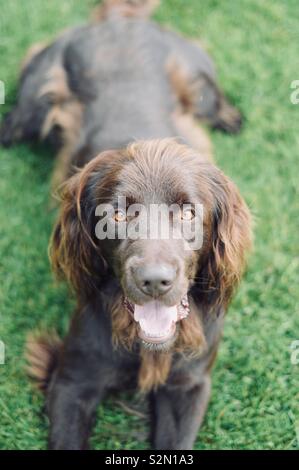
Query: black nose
point(155, 279)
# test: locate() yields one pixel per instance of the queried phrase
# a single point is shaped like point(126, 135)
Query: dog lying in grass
point(112, 97)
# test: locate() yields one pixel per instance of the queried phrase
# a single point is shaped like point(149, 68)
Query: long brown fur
point(42, 354)
point(72, 249)
point(154, 369)
point(231, 242)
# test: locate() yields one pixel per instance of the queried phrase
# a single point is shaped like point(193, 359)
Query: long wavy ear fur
point(231, 238)
point(74, 249)
point(74, 253)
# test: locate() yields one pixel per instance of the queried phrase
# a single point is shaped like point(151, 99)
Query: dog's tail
point(42, 354)
point(128, 8)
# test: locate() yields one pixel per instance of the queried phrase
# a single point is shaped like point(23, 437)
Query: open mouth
point(157, 322)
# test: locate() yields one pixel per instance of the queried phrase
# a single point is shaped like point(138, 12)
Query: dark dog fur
point(101, 87)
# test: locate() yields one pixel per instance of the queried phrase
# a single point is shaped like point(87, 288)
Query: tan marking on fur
point(194, 134)
point(56, 85)
point(185, 89)
point(183, 118)
point(127, 8)
point(66, 113)
point(30, 54)
point(181, 84)
point(69, 117)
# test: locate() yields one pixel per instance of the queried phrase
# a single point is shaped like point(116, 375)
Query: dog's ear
point(230, 238)
point(75, 251)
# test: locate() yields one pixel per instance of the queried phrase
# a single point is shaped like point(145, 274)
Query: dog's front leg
point(178, 414)
point(71, 408)
point(82, 377)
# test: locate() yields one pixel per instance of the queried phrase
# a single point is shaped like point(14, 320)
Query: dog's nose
point(155, 279)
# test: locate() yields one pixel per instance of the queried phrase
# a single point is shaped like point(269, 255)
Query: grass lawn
point(255, 400)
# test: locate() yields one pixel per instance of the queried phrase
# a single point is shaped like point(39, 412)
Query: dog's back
point(131, 97)
point(120, 68)
point(120, 79)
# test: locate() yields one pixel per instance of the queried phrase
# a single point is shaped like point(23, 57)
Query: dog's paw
point(229, 119)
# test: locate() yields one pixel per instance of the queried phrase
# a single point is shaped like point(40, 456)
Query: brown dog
point(149, 310)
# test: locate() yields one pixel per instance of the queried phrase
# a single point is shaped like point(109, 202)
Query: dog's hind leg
point(193, 78)
point(24, 121)
point(44, 102)
point(46, 110)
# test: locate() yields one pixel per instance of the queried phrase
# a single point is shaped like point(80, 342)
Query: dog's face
point(155, 273)
point(154, 191)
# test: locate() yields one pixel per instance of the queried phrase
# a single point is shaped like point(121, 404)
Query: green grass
point(255, 401)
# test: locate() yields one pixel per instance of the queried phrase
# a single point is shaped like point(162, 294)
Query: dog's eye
point(120, 216)
point(187, 214)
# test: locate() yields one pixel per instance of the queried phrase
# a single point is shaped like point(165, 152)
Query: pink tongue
point(155, 318)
